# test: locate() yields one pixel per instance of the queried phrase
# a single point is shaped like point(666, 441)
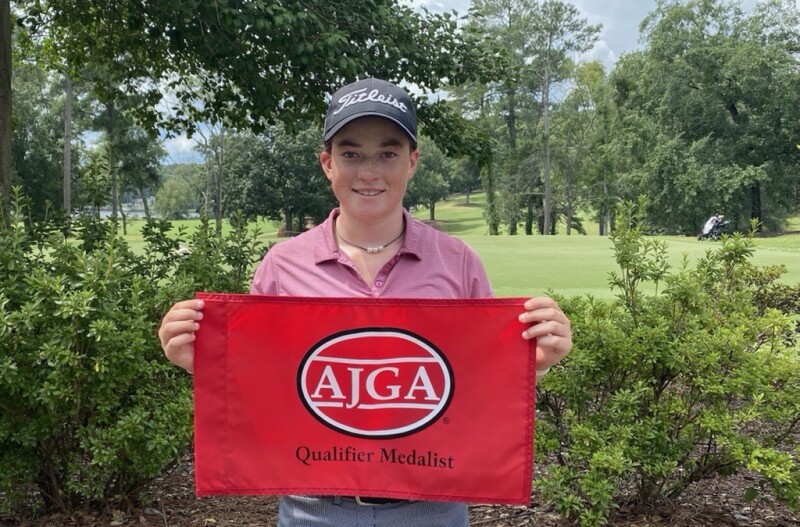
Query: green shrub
point(667, 389)
point(90, 409)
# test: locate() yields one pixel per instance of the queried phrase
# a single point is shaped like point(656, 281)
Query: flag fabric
point(400, 398)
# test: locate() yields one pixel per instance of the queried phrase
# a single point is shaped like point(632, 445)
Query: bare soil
point(170, 502)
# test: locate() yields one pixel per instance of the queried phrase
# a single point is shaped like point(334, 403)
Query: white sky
point(620, 21)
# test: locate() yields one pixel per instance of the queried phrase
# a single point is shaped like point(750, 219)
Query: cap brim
point(350, 118)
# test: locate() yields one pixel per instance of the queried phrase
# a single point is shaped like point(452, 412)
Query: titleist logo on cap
point(360, 96)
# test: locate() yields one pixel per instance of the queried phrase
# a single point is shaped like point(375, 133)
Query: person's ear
point(412, 165)
point(326, 159)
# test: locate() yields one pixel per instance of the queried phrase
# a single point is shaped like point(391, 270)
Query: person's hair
point(328, 145)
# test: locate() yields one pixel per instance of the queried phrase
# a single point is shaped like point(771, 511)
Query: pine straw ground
point(170, 502)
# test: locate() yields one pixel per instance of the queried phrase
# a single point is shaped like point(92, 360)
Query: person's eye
point(389, 155)
point(349, 155)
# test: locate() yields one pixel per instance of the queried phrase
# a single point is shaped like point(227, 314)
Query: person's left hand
point(551, 329)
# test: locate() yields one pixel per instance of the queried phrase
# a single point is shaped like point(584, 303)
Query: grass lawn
point(576, 265)
point(530, 265)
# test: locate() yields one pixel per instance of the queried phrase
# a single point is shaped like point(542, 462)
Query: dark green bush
point(90, 409)
point(665, 389)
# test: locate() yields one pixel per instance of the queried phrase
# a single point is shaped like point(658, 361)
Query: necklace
point(370, 249)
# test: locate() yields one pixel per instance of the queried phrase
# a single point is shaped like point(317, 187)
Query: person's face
point(369, 165)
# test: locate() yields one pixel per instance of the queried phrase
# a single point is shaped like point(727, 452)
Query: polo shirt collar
point(326, 249)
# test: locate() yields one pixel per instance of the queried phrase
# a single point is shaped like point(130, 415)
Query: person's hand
point(551, 329)
point(177, 332)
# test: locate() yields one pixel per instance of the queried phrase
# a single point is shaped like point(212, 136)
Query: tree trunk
point(511, 123)
point(548, 197)
point(529, 214)
point(288, 223)
point(112, 173)
point(569, 217)
point(432, 209)
point(487, 177)
point(491, 204)
point(5, 103)
point(209, 183)
point(755, 203)
point(604, 216)
point(144, 202)
point(67, 185)
point(218, 187)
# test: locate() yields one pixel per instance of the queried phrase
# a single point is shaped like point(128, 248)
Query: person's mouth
point(367, 192)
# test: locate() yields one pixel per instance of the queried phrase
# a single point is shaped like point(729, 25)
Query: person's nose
point(369, 168)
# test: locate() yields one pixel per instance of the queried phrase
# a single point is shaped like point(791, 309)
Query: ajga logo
point(375, 382)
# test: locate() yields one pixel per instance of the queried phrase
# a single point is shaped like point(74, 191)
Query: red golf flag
point(416, 399)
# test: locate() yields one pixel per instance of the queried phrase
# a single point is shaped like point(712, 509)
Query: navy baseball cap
point(371, 97)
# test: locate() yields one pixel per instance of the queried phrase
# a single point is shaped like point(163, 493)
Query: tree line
point(704, 118)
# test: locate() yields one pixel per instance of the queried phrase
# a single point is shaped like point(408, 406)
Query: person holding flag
point(370, 246)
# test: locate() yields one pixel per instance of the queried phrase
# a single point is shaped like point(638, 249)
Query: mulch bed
point(170, 502)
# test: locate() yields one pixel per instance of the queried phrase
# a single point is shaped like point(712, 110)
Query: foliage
point(665, 390)
point(539, 39)
point(708, 112)
point(38, 126)
point(89, 407)
point(139, 156)
point(464, 177)
point(251, 64)
point(431, 179)
point(182, 189)
point(277, 175)
point(95, 186)
point(174, 199)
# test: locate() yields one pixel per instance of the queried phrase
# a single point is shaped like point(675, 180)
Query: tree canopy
point(251, 64)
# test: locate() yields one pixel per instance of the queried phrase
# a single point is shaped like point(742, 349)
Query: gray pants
point(327, 511)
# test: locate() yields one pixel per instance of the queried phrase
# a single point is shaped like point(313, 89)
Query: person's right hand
point(177, 332)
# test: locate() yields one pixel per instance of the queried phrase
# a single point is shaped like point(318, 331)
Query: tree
point(182, 190)
point(509, 22)
point(277, 175)
point(252, 64)
point(255, 63)
point(211, 143)
point(473, 101)
point(713, 101)
point(575, 122)
point(140, 158)
point(67, 166)
point(465, 177)
point(430, 182)
point(42, 54)
point(539, 38)
point(174, 198)
point(133, 154)
point(557, 31)
point(5, 103)
point(95, 184)
point(38, 111)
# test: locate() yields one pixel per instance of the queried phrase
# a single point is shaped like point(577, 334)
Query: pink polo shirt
point(430, 264)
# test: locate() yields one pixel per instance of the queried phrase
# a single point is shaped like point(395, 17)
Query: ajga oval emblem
point(375, 382)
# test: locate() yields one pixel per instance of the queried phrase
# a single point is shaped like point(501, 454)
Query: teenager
point(370, 246)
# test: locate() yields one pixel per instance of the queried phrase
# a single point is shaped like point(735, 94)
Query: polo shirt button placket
point(378, 284)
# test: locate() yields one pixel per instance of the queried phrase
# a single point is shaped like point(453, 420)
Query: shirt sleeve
point(476, 281)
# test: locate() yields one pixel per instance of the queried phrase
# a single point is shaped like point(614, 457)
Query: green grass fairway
point(576, 265)
point(529, 265)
